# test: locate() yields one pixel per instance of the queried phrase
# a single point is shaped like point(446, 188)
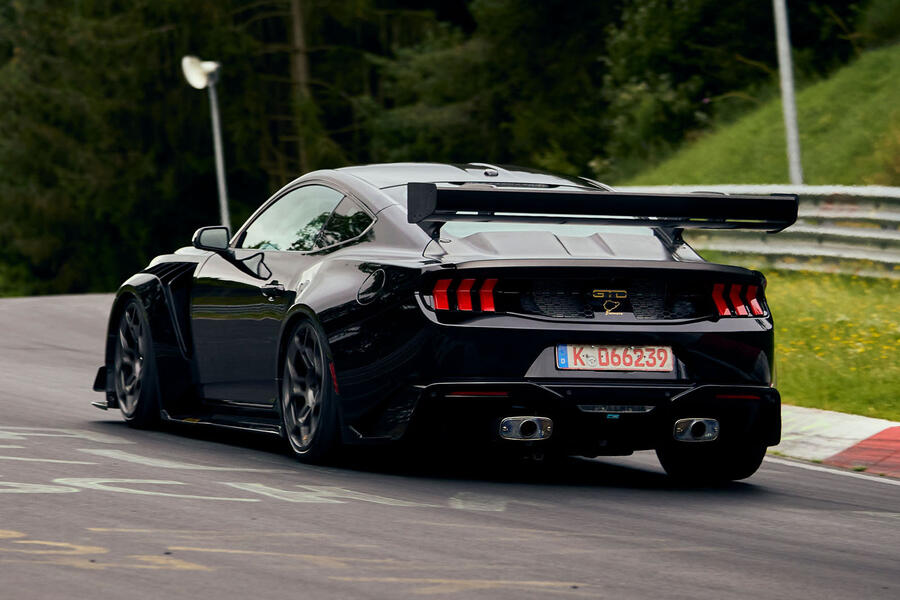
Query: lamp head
point(199, 73)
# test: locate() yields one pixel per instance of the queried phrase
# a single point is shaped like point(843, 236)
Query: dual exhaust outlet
point(525, 428)
point(696, 429)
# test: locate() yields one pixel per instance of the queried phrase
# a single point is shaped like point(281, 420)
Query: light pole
point(788, 105)
point(204, 74)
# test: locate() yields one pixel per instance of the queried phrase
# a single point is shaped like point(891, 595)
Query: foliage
point(879, 23)
point(849, 134)
point(524, 88)
point(673, 64)
point(105, 153)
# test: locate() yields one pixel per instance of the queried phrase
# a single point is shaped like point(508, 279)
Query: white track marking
point(808, 467)
point(10, 446)
point(47, 460)
point(170, 464)
point(103, 485)
point(482, 502)
point(322, 494)
point(19, 433)
point(12, 487)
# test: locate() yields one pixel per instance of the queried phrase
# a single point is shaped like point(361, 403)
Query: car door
point(240, 297)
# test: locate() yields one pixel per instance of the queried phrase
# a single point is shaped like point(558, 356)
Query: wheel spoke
point(303, 414)
point(292, 370)
point(311, 359)
point(123, 341)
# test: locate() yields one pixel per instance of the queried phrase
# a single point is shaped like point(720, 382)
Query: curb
point(840, 440)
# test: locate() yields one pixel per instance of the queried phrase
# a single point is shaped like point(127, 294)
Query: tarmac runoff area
point(840, 440)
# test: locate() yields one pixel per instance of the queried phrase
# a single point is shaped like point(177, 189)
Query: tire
point(697, 462)
point(136, 382)
point(308, 402)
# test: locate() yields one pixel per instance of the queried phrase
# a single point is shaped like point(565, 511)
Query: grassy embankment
point(837, 342)
point(837, 337)
point(849, 134)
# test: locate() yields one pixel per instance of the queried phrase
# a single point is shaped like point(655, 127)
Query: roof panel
point(392, 174)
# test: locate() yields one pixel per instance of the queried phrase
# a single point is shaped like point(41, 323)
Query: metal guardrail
point(844, 229)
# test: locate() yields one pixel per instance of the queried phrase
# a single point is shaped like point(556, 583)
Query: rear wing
point(431, 206)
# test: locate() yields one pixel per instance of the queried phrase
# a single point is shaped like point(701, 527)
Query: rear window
point(347, 222)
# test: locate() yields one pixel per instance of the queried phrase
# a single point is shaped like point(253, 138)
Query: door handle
point(272, 290)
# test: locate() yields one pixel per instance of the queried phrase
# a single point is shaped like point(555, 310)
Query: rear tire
point(697, 462)
point(308, 402)
point(135, 379)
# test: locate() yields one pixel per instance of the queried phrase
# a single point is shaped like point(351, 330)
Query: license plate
point(614, 358)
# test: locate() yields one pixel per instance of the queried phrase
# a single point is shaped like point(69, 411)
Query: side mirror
point(211, 238)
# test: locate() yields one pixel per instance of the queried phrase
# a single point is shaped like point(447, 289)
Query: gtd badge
point(613, 299)
point(610, 294)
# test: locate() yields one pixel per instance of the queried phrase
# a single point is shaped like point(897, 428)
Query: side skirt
point(252, 424)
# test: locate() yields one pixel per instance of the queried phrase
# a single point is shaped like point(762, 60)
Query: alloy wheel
point(129, 359)
point(302, 394)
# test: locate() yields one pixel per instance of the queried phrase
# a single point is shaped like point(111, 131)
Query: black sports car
point(504, 305)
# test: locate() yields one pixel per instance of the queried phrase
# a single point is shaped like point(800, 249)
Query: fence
point(844, 229)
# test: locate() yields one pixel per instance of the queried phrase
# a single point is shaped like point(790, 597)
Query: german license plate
point(614, 358)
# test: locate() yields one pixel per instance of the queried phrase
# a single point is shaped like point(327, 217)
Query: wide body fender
point(163, 294)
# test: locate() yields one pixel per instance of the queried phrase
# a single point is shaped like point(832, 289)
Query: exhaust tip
point(526, 428)
point(696, 429)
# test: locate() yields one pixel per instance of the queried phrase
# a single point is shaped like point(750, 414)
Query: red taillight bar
point(464, 294)
point(753, 300)
point(737, 302)
point(486, 295)
point(719, 299)
point(441, 301)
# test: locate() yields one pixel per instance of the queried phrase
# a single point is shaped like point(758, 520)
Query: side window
point(347, 222)
point(294, 221)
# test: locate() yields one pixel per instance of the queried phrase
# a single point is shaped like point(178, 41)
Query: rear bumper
point(588, 419)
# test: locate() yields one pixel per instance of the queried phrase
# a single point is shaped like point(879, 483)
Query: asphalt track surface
point(92, 509)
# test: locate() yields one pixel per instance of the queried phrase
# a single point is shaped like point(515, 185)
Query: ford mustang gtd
point(532, 311)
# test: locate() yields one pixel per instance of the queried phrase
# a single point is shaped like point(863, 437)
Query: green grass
point(837, 341)
point(849, 129)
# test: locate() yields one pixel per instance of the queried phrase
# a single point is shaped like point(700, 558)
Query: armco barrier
point(846, 229)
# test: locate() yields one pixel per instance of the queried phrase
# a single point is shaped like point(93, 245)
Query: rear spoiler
point(431, 206)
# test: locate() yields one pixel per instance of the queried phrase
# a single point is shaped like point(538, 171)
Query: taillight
point(735, 300)
point(441, 301)
point(465, 293)
point(719, 299)
point(753, 300)
point(486, 295)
